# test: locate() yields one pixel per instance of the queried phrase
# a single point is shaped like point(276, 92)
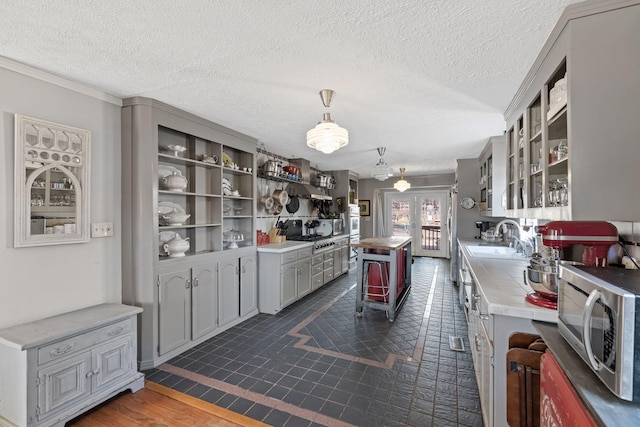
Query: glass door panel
point(421, 216)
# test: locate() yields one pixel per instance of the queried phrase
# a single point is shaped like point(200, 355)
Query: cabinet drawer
point(304, 253)
point(317, 259)
point(317, 281)
point(328, 275)
point(328, 263)
point(289, 257)
point(317, 269)
point(72, 345)
point(328, 255)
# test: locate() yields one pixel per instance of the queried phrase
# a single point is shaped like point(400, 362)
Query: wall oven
point(599, 316)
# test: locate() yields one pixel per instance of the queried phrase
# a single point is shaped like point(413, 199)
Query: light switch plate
point(102, 229)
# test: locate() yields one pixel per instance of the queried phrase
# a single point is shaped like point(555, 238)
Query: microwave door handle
point(587, 314)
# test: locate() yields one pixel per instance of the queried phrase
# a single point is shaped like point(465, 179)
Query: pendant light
point(402, 185)
point(327, 136)
point(381, 171)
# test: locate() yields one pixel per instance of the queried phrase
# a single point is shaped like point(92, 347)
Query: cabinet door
point(204, 295)
point(344, 257)
point(304, 277)
point(248, 284)
point(337, 263)
point(113, 361)
point(486, 376)
point(229, 291)
point(288, 279)
point(62, 384)
point(174, 310)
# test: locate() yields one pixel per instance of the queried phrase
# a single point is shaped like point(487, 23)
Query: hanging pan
point(294, 205)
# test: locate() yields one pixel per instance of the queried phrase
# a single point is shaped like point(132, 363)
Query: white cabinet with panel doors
point(572, 128)
point(188, 185)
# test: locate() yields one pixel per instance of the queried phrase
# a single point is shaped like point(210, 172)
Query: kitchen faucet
point(527, 249)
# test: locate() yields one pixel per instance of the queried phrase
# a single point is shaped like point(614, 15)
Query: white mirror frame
point(30, 163)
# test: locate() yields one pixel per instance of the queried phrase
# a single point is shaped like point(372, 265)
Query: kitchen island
point(384, 273)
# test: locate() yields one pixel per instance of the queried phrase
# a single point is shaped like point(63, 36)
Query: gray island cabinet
point(188, 210)
point(54, 369)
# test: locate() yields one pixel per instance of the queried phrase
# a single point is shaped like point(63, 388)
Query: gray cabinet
point(188, 178)
point(187, 306)
point(317, 271)
point(284, 278)
point(238, 288)
point(341, 257)
point(303, 281)
point(493, 172)
point(248, 285)
point(572, 128)
point(59, 367)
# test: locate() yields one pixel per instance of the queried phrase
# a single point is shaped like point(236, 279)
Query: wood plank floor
point(159, 406)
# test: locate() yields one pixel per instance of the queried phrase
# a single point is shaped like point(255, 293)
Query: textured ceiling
point(428, 79)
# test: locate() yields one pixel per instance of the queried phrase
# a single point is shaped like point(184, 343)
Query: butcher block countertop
point(386, 243)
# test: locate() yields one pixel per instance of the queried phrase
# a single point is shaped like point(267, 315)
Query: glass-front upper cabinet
point(51, 183)
point(537, 165)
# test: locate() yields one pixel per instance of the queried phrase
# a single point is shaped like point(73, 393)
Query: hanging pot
point(294, 205)
point(277, 210)
point(282, 196)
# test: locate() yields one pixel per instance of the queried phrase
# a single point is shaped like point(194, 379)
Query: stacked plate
point(226, 187)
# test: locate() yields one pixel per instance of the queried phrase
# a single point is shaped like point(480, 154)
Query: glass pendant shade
point(381, 171)
point(327, 136)
point(402, 185)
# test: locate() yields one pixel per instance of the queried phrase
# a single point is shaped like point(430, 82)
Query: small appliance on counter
point(599, 316)
point(484, 226)
point(542, 275)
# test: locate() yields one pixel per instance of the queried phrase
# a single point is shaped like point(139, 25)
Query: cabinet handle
point(237, 270)
point(92, 373)
point(64, 348)
point(187, 284)
point(477, 341)
point(484, 316)
point(195, 283)
point(115, 331)
point(244, 269)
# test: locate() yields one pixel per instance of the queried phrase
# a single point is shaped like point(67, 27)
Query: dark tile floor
point(316, 364)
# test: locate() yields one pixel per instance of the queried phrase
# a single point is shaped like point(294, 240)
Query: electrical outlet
point(102, 229)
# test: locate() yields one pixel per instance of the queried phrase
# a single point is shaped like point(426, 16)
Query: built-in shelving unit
point(188, 184)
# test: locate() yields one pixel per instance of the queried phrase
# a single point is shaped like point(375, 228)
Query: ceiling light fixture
point(402, 185)
point(381, 171)
point(327, 136)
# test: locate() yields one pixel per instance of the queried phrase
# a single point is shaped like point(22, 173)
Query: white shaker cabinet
point(55, 369)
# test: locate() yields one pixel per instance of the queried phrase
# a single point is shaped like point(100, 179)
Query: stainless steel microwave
point(599, 316)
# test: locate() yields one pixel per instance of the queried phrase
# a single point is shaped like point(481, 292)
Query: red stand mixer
point(596, 237)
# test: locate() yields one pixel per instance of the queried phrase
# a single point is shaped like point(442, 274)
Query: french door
point(421, 216)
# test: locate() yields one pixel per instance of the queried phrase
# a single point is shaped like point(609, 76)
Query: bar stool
point(378, 290)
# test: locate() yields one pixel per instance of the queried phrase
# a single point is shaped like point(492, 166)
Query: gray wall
point(43, 281)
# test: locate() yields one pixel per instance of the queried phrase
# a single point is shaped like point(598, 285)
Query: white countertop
point(501, 282)
point(286, 246)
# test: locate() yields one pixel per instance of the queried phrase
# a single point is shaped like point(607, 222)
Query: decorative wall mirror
point(52, 173)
